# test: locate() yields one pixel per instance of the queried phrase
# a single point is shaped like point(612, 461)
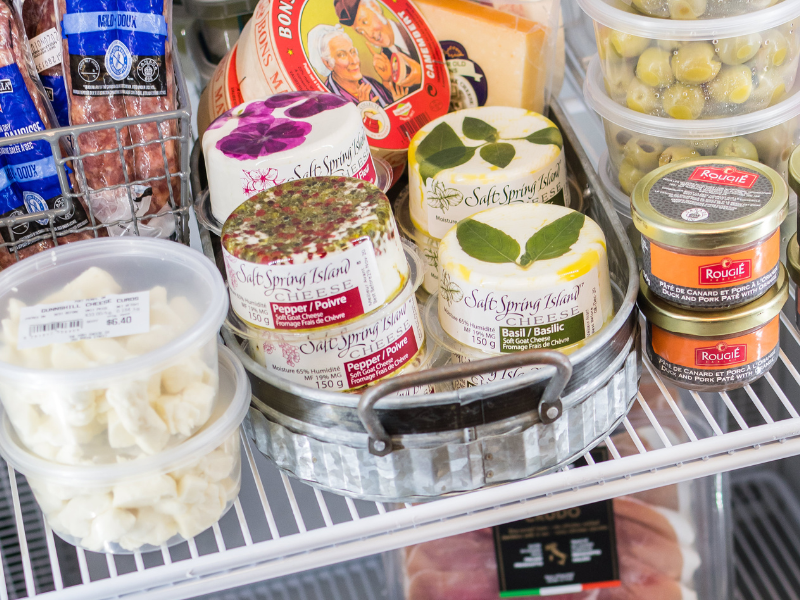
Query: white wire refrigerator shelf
point(280, 526)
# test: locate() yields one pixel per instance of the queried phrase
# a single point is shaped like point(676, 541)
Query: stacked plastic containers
point(118, 405)
point(678, 79)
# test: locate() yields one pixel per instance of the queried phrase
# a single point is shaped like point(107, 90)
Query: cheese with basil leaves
point(480, 158)
point(522, 277)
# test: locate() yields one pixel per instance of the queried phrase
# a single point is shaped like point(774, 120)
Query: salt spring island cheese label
point(312, 253)
point(475, 159)
point(351, 357)
point(296, 135)
point(710, 231)
point(380, 56)
point(522, 277)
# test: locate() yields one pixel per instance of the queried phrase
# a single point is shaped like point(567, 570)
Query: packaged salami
point(39, 18)
point(118, 63)
point(30, 166)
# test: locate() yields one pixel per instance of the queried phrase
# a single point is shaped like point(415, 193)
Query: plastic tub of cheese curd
point(159, 500)
point(108, 349)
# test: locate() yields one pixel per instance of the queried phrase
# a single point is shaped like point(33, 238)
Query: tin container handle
point(550, 409)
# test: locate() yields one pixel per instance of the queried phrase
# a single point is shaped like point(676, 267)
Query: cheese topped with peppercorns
point(313, 253)
point(475, 159)
point(530, 276)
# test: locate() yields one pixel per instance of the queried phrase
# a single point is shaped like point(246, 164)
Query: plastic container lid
point(597, 98)
point(137, 264)
point(229, 412)
point(687, 31)
point(700, 224)
point(714, 323)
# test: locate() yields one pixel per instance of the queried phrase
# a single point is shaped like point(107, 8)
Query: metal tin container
point(714, 351)
point(425, 446)
point(710, 231)
point(793, 266)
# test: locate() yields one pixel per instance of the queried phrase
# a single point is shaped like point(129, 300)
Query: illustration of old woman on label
point(335, 59)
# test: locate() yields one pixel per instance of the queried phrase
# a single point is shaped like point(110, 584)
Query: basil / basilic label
point(502, 170)
point(495, 322)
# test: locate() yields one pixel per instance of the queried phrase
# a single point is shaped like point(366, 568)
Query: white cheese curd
point(475, 159)
point(497, 297)
point(150, 511)
point(130, 505)
point(129, 415)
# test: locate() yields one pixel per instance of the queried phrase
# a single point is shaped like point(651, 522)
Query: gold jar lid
point(715, 323)
point(710, 203)
point(794, 171)
point(793, 259)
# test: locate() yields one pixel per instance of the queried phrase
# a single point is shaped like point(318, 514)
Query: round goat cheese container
point(710, 231)
point(346, 357)
point(143, 505)
point(522, 277)
point(298, 135)
point(714, 351)
point(481, 158)
point(313, 253)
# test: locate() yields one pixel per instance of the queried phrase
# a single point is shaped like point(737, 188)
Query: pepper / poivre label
point(320, 293)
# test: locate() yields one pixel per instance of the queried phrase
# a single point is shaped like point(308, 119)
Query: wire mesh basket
point(69, 159)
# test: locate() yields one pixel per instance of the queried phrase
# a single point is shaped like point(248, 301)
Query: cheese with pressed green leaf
point(522, 277)
point(475, 159)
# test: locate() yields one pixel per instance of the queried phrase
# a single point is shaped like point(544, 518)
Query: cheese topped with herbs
point(475, 159)
point(522, 277)
point(313, 253)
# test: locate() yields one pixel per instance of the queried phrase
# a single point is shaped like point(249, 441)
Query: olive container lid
point(710, 203)
point(793, 259)
point(715, 323)
point(794, 171)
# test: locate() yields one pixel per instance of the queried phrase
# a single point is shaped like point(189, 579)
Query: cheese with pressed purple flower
point(313, 253)
point(264, 143)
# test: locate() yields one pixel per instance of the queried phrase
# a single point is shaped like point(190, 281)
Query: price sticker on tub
point(106, 317)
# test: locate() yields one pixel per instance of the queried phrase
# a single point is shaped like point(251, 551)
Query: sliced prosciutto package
point(669, 544)
point(118, 64)
point(29, 166)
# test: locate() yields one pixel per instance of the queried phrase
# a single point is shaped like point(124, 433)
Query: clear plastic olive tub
point(107, 399)
point(696, 59)
point(638, 144)
point(141, 505)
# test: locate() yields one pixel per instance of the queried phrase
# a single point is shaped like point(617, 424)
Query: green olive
point(605, 49)
point(707, 146)
point(733, 84)
point(773, 145)
point(686, 9)
point(653, 68)
point(652, 8)
point(642, 153)
point(738, 50)
point(695, 63)
point(684, 101)
point(627, 45)
point(618, 78)
point(616, 138)
point(774, 51)
point(629, 176)
point(676, 153)
point(738, 147)
point(771, 90)
point(641, 97)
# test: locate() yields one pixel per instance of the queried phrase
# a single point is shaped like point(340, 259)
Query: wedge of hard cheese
point(510, 51)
